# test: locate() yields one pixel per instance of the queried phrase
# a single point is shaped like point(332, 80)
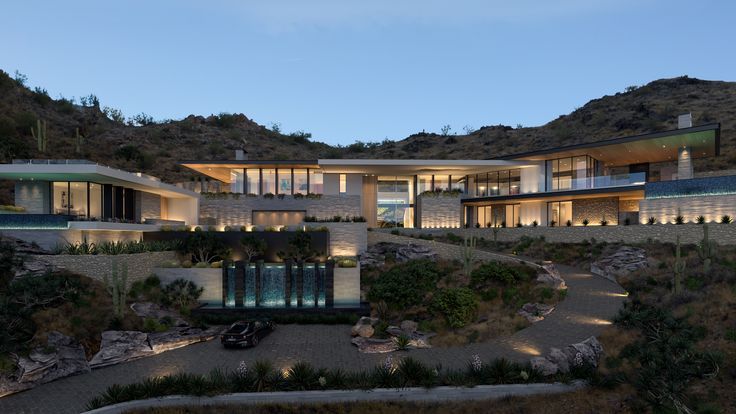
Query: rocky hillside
point(155, 148)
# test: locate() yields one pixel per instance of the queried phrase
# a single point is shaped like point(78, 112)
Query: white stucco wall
point(534, 210)
point(532, 179)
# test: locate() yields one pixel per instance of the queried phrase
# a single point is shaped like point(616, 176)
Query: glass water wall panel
point(268, 181)
point(395, 201)
point(237, 181)
point(284, 175)
point(300, 181)
point(252, 181)
point(95, 201)
point(316, 182)
point(272, 285)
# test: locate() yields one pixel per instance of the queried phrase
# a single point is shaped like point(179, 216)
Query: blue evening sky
point(349, 70)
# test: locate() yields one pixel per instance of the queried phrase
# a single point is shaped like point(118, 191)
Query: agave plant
point(301, 376)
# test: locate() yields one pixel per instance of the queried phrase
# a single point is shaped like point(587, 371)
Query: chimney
point(239, 155)
point(685, 121)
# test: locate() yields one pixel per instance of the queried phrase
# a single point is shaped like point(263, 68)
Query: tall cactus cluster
point(679, 267)
point(40, 134)
point(468, 253)
point(117, 286)
point(706, 250)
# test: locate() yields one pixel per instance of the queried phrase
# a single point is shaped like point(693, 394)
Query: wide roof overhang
point(703, 141)
point(92, 173)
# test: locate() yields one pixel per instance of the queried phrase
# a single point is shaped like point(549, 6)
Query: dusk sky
point(363, 70)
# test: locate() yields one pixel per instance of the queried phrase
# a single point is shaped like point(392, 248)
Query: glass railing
point(603, 181)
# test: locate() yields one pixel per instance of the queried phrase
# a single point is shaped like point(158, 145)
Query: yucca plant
point(413, 373)
point(301, 376)
point(700, 219)
point(726, 219)
point(651, 220)
point(263, 374)
point(503, 371)
point(402, 342)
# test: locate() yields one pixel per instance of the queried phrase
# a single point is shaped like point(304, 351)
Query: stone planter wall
point(724, 234)
point(49, 239)
point(209, 279)
point(347, 287)
point(239, 212)
point(346, 239)
point(440, 211)
point(140, 265)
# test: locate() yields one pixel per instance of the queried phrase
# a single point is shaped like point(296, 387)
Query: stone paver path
point(590, 304)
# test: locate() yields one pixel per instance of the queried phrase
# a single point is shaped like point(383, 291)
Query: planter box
point(347, 287)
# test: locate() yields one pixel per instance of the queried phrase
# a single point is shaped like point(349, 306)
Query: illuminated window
point(343, 183)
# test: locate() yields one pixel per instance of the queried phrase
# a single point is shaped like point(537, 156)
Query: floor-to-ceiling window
point(570, 173)
point(395, 201)
point(424, 183)
point(253, 179)
point(441, 182)
point(95, 201)
point(77, 198)
point(284, 177)
point(316, 182)
point(498, 183)
point(268, 180)
point(237, 181)
point(559, 213)
point(301, 186)
point(457, 182)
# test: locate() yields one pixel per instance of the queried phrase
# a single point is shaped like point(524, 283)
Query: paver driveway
point(591, 303)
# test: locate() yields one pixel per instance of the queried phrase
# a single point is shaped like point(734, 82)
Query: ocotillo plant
point(706, 249)
point(78, 141)
point(117, 286)
point(679, 267)
point(40, 134)
point(468, 252)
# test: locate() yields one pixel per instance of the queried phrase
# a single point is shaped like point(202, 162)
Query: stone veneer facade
point(346, 239)
point(140, 265)
point(31, 195)
point(148, 205)
point(439, 211)
point(50, 239)
point(595, 210)
point(232, 211)
point(666, 209)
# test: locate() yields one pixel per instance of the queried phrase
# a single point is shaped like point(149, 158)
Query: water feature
point(272, 285)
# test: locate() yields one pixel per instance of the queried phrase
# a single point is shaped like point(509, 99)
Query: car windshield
point(240, 327)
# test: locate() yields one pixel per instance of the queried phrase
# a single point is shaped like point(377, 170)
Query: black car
point(246, 333)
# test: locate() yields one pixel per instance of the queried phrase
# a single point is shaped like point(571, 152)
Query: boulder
point(177, 338)
point(374, 346)
point(413, 252)
point(377, 253)
point(156, 312)
point(535, 312)
point(625, 260)
point(121, 346)
point(550, 276)
point(409, 326)
point(587, 352)
point(66, 358)
point(364, 327)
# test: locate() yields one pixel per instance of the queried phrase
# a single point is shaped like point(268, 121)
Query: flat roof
point(220, 170)
point(704, 141)
point(86, 171)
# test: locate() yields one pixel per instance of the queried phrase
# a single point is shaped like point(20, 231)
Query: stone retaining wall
point(346, 239)
point(347, 287)
point(724, 234)
point(140, 265)
point(50, 239)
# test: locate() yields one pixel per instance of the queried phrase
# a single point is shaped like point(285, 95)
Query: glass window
point(252, 180)
point(441, 182)
point(284, 180)
point(343, 183)
point(95, 201)
point(61, 197)
point(559, 213)
point(457, 182)
point(580, 172)
point(395, 202)
point(424, 183)
point(511, 216)
point(316, 183)
point(269, 181)
point(481, 185)
point(503, 182)
point(515, 182)
point(236, 181)
point(78, 199)
point(300, 181)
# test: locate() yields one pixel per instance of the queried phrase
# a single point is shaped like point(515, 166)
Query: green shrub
point(405, 284)
point(494, 273)
point(182, 293)
point(152, 325)
point(457, 305)
point(488, 294)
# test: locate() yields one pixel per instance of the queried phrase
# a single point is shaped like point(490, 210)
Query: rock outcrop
point(562, 360)
point(377, 253)
point(625, 260)
point(364, 327)
point(63, 356)
point(550, 276)
point(157, 313)
point(535, 312)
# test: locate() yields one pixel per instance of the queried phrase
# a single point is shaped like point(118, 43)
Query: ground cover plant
point(263, 376)
point(461, 308)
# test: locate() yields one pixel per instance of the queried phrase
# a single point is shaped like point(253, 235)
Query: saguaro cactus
point(40, 134)
point(679, 267)
point(78, 141)
point(468, 253)
point(706, 249)
point(117, 286)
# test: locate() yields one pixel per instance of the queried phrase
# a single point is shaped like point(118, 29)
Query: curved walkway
point(590, 304)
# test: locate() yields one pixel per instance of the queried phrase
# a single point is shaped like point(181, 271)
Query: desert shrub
point(181, 293)
point(491, 273)
point(457, 305)
point(148, 290)
point(405, 284)
point(204, 246)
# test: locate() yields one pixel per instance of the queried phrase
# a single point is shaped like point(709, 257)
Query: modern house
point(615, 181)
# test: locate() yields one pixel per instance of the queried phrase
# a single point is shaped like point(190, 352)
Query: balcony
point(601, 181)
